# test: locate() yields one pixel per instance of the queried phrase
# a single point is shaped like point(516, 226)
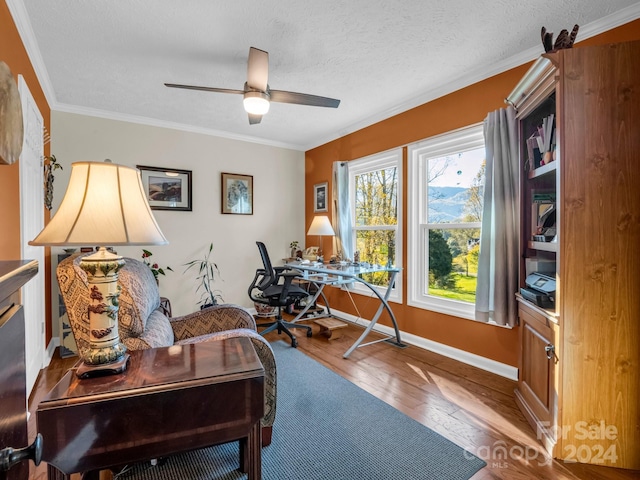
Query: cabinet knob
point(10, 456)
point(551, 351)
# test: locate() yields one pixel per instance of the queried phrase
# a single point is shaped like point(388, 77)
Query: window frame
point(379, 161)
point(450, 143)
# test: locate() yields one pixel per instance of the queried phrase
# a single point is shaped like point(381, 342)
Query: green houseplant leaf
point(205, 279)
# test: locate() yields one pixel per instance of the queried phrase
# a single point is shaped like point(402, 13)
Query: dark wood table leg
point(251, 453)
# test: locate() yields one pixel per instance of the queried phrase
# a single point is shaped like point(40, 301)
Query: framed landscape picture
point(320, 197)
point(237, 194)
point(167, 188)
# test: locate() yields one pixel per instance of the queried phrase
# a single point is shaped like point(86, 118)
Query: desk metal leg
point(319, 288)
point(383, 305)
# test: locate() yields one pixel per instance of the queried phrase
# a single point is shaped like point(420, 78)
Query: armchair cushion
point(139, 297)
point(158, 333)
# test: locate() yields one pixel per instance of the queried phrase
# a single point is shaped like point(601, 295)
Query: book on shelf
point(533, 152)
point(544, 197)
point(541, 143)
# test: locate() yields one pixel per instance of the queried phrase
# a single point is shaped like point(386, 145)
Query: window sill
point(447, 307)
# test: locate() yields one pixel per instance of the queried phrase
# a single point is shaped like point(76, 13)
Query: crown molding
point(153, 122)
point(21, 19)
point(602, 25)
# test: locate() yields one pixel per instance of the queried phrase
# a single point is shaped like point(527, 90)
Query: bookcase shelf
point(543, 170)
point(543, 246)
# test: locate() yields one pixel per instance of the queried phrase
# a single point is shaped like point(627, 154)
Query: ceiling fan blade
point(254, 119)
point(283, 96)
point(204, 89)
point(258, 69)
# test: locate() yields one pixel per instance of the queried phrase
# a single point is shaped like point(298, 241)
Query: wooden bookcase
point(579, 382)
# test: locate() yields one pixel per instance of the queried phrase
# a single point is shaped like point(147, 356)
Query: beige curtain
point(341, 210)
point(498, 260)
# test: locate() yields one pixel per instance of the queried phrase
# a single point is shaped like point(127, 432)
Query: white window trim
point(464, 139)
point(390, 158)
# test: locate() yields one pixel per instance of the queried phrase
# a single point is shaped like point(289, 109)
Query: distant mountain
point(446, 204)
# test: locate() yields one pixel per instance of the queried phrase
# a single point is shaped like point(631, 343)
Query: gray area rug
point(327, 428)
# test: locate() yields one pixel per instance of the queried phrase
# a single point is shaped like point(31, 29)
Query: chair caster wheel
point(294, 343)
point(309, 333)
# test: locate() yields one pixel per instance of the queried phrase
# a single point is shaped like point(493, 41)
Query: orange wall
point(459, 109)
point(13, 53)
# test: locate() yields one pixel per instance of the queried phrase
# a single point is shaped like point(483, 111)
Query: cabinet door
point(536, 392)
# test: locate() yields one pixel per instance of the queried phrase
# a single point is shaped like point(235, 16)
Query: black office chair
point(277, 293)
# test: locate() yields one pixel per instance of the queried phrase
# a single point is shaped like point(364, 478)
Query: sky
point(462, 169)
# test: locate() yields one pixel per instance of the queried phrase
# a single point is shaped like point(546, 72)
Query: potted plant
point(154, 267)
point(205, 278)
point(294, 248)
point(50, 166)
point(263, 309)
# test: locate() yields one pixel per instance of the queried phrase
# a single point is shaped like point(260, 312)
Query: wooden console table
point(169, 400)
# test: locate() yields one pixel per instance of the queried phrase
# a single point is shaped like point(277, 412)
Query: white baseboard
point(463, 356)
point(51, 349)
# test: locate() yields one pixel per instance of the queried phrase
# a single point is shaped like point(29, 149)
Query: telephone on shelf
point(311, 253)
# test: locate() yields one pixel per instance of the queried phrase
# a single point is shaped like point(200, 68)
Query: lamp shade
point(105, 204)
point(320, 226)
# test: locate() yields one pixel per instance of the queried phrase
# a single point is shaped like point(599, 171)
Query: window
point(374, 183)
point(446, 183)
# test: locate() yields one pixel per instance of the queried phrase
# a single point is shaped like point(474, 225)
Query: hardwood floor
point(472, 408)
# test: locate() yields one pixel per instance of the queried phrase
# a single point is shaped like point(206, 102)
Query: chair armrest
point(285, 271)
point(286, 286)
point(210, 320)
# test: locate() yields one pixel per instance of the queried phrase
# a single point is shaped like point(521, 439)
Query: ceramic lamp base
point(105, 348)
point(87, 371)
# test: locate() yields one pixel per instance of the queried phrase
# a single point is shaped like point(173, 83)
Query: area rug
point(327, 428)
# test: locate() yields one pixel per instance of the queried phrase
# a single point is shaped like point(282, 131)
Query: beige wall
point(278, 176)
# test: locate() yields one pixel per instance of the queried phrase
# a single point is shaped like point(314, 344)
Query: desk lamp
point(320, 226)
point(105, 204)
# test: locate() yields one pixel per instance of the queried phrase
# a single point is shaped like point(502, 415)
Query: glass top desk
point(337, 275)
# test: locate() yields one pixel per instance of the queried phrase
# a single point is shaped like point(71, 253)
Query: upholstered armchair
point(143, 324)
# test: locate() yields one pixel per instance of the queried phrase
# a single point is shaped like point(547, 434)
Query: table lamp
point(105, 204)
point(320, 226)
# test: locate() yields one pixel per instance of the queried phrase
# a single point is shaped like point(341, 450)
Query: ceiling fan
point(257, 93)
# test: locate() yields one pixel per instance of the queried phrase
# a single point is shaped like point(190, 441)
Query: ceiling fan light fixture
point(256, 103)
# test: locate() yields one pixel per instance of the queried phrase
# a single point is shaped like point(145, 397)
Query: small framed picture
point(320, 197)
point(167, 188)
point(237, 193)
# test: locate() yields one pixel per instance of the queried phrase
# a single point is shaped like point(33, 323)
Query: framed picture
point(167, 188)
point(237, 193)
point(320, 197)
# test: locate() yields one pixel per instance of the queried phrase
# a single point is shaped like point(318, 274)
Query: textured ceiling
point(380, 57)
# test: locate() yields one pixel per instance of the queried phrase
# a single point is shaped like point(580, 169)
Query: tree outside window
point(375, 212)
point(455, 201)
point(446, 184)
